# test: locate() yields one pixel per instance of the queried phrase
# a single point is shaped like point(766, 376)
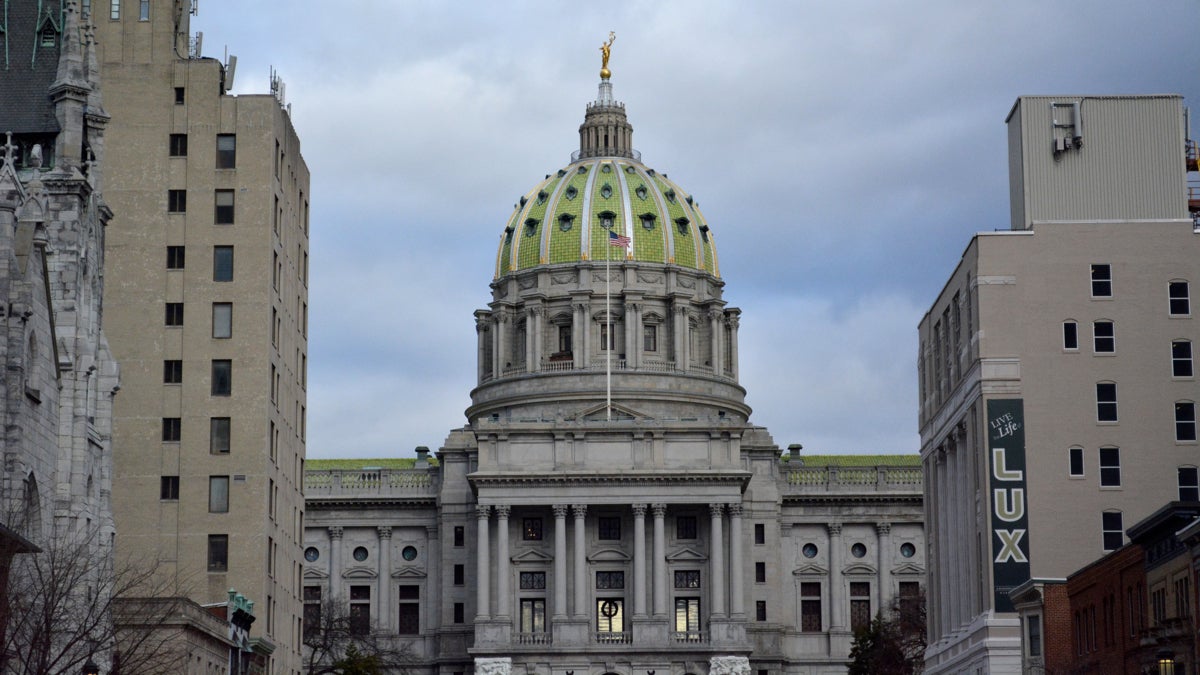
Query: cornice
point(318, 502)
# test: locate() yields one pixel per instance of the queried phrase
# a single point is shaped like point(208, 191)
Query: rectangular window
point(1104, 339)
point(687, 619)
point(222, 320)
point(1106, 401)
point(1035, 635)
point(114, 10)
point(1076, 461)
point(685, 527)
point(1110, 467)
point(178, 145)
point(172, 371)
point(650, 338)
point(1101, 281)
point(312, 611)
point(218, 495)
point(1070, 335)
point(1185, 421)
point(1181, 358)
point(360, 610)
point(860, 605)
point(223, 207)
point(176, 201)
point(459, 612)
point(175, 257)
point(179, 95)
point(760, 534)
point(910, 601)
point(687, 579)
point(533, 581)
point(226, 151)
point(172, 429)
point(610, 617)
point(143, 10)
point(174, 314)
point(609, 528)
point(222, 263)
point(810, 607)
point(460, 535)
point(169, 488)
point(531, 529)
point(1179, 299)
point(222, 377)
point(410, 611)
point(218, 435)
point(760, 572)
point(607, 581)
point(460, 573)
point(1189, 484)
point(604, 341)
point(533, 615)
point(564, 332)
point(218, 552)
point(760, 610)
point(1112, 530)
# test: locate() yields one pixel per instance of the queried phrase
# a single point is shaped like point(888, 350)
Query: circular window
point(311, 554)
point(908, 550)
point(858, 550)
point(409, 553)
point(360, 554)
point(809, 550)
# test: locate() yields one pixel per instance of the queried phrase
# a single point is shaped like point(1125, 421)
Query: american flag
point(615, 239)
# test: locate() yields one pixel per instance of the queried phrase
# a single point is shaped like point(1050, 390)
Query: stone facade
point(610, 508)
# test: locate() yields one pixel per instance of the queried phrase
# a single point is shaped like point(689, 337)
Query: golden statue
point(605, 52)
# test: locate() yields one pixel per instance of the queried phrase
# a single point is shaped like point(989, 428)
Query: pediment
point(908, 568)
point(609, 555)
point(409, 572)
point(599, 411)
point(810, 570)
point(687, 555)
point(360, 573)
point(532, 557)
point(858, 568)
point(311, 573)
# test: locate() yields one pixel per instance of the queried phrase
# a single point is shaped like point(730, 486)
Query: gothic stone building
point(662, 533)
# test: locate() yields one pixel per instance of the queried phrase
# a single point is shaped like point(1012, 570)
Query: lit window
point(222, 320)
point(218, 494)
point(1106, 401)
point(1189, 484)
point(1185, 421)
point(1070, 335)
point(222, 263)
point(1110, 467)
point(531, 529)
point(533, 615)
point(226, 151)
point(1181, 358)
point(223, 207)
point(218, 435)
point(1076, 462)
point(687, 619)
point(1101, 281)
point(218, 552)
point(1180, 302)
point(222, 377)
point(1104, 339)
point(610, 617)
point(1112, 530)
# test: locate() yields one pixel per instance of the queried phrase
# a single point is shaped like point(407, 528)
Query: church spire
point(605, 131)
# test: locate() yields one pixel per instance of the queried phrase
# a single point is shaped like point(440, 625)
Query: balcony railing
point(696, 637)
point(369, 482)
point(835, 478)
point(606, 638)
point(534, 639)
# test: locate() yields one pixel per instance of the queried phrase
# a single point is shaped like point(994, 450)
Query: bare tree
point(59, 608)
point(337, 642)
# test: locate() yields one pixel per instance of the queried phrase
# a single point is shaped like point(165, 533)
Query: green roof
point(369, 463)
point(858, 460)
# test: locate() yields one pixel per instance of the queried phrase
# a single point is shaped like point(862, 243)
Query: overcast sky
point(843, 153)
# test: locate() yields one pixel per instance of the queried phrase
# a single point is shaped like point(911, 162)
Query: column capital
point(883, 528)
point(482, 323)
point(483, 511)
point(735, 510)
point(716, 510)
point(385, 531)
point(335, 532)
point(659, 510)
point(580, 510)
point(835, 529)
point(639, 510)
point(560, 510)
point(502, 511)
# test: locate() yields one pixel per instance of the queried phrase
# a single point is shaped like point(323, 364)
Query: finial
point(8, 148)
point(605, 52)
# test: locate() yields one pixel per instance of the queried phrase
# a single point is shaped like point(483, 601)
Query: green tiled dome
point(566, 219)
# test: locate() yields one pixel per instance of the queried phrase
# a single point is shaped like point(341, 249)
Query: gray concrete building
point(1057, 387)
point(609, 506)
point(208, 308)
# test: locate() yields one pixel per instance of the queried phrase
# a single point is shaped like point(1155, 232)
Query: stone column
point(733, 343)
point(736, 581)
point(639, 560)
point(530, 331)
point(679, 335)
point(481, 324)
point(883, 543)
point(385, 577)
point(633, 346)
point(714, 322)
point(483, 568)
point(536, 317)
point(497, 343)
point(587, 335)
point(578, 331)
point(502, 561)
point(837, 594)
point(560, 561)
point(660, 560)
point(335, 561)
point(716, 549)
point(581, 586)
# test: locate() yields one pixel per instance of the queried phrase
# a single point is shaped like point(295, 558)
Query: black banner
point(1010, 517)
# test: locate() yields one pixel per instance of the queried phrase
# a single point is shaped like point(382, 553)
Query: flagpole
point(608, 330)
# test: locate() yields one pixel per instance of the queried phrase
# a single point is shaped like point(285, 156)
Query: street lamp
point(90, 668)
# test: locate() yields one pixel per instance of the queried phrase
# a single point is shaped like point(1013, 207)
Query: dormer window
point(606, 191)
point(541, 198)
point(641, 192)
point(508, 233)
point(648, 221)
point(606, 219)
point(582, 170)
point(629, 170)
point(670, 196)
point(682, 224)
point(524, 200)
point(565, 222)
point(48, 33)
point(531, 227)
point(561, 173)
point(571, 192)
point(607, 168)
point(704, 232)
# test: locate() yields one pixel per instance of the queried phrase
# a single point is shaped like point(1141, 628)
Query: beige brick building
point(208, 265)
point(1057, 388)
